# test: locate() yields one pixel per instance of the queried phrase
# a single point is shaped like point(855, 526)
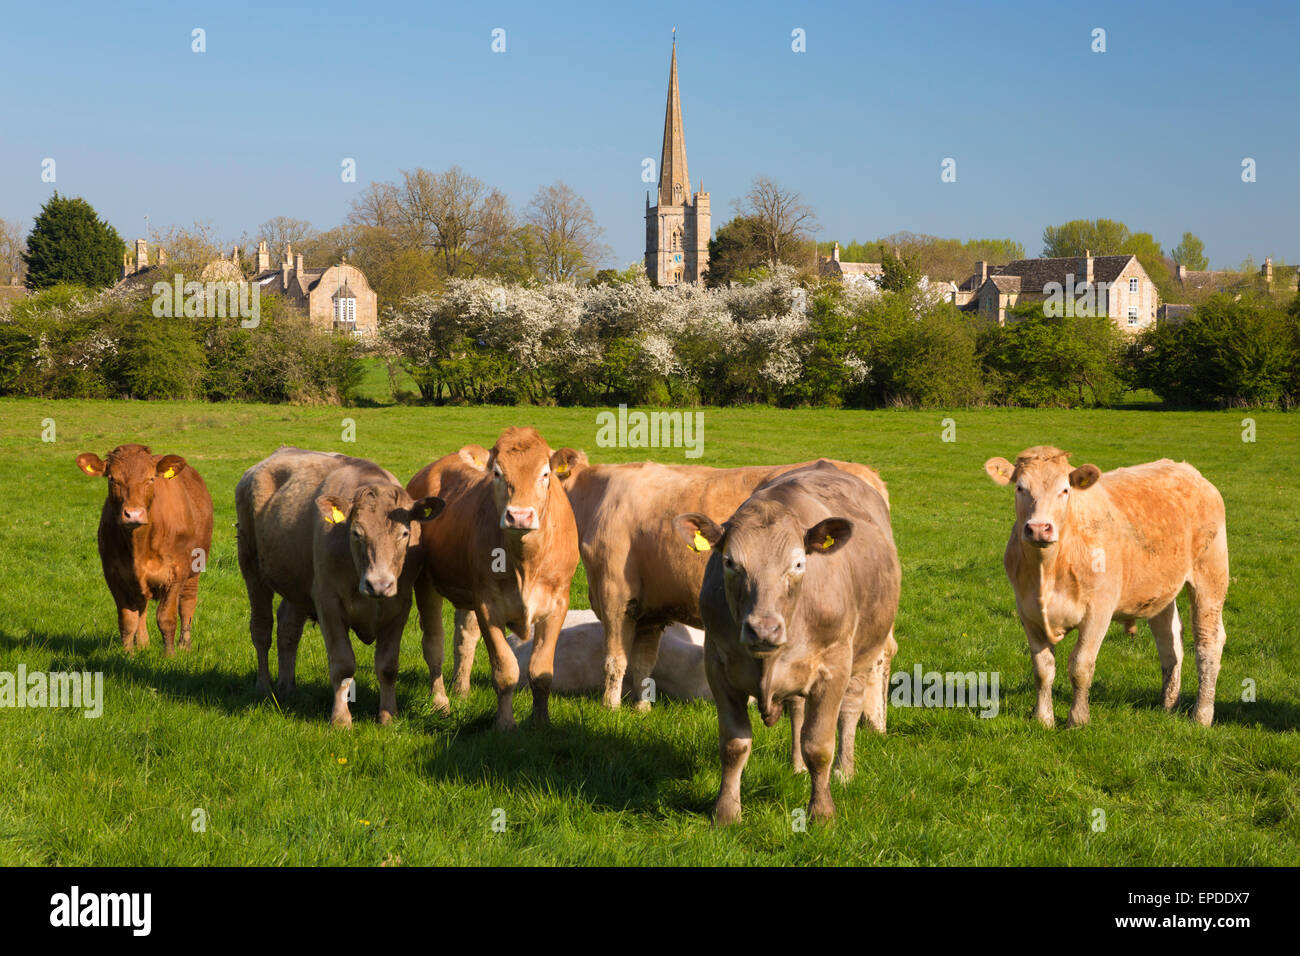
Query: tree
point(901, 271)
point(781, 218)
point(1190, 253)
point(466, 224)
point(736, 249)
point(11, 251)
point(566, 231)
point(1101, 237)
point(278, 231)
point(70, 243)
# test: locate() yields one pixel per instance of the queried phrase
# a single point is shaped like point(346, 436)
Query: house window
point(1133, 286)
point(1133, 313)
point(345, 314)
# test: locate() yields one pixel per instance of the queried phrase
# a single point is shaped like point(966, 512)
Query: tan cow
point(155, 532)
point(638, 577)
point(798, 601)
point(505, 548)
point(338, 539)
point(1088, 548)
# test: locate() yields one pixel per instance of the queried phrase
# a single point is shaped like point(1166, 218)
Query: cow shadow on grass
point(1275, 715)
point(227, 691)
point(612, 766)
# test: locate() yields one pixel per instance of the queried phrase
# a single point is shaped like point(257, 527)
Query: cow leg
point(289, 622)
point(1083, 663)
point(142, 625)
point(859, 691)
point(433, 642)
point(1207, 623)
point(342, 661)
point(189, 601)
point(875, 696)
point(794, 706)
point(735, 740)
point(620, 635)
point(1168, 632)
point(1043, 654)
point(128, 622)
point(465, 643)
point(824, 704)
point(388, 646)
point(260, 627)
point(641, 664)
point(505, 667)
point(541, 665)
point(168, 616)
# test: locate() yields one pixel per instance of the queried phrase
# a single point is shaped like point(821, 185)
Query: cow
point(1088, 548)
point(638, 578)
point(155, 532)
point(580, 659)
point(338, 539)
point(505, 548)
point(798, 601)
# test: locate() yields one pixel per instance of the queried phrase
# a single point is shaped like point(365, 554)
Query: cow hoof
point(725, 814)
point(459, 689)
point(844, 774)
point(1204, 717)
point(262, 687)
point(505, 726)
point(643, 706)
point(284, 691)
point(821, 810)
point(342, 721)
point(385, 718)
point(1076, 722)
point(799, 768)
point(441, 705)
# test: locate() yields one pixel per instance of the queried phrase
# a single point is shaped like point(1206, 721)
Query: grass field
point(945, 786)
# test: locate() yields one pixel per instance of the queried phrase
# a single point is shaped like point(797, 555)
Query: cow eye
point(356, 533)
point(1065, 491)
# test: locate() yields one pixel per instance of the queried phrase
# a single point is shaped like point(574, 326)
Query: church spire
point(674, 181)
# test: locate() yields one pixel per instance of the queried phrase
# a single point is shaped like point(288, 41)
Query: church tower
point(676, 228)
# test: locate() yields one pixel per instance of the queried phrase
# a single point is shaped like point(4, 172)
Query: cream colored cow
point(1088, 548)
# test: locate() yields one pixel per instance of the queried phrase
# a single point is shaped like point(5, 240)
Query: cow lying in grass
point(799, 599)
point(1088, 548)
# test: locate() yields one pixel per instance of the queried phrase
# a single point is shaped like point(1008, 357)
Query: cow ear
point(476, 456)
point(333, 509)
point(1085, 476)
point(1000, 470)
point(91, 464)
point(565, 460)
point(827, 535)
point(426, 509)
point(169, 466)
point(700, 532)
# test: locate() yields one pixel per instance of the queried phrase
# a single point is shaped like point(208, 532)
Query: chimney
point(981, 272)
point(1086, 267)
point(126, 265)
point(234, 254)
point(162, 256)
point(835, 253)
point(1181, 273)
point(288, 255)
point(1266, 270)
point(263, 257)
point(297, 263)
point(141, 255)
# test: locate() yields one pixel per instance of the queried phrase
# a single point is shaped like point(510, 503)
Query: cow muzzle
point(1041, 533)
point(134, 517)
point(519, 519)
point(763, 634)
point(378, 585)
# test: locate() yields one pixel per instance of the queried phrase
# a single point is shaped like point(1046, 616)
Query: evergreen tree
point(70, 243)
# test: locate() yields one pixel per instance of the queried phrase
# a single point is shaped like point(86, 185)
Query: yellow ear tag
point(170, 472)
point(700, 543)
point(562, 470)
point(336, 516)
point(828, 542)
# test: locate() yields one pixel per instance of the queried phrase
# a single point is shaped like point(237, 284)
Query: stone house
point(834, 267)
point(1118, 285)
point(337, 297)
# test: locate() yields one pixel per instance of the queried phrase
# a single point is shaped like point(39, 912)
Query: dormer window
point(345, 313)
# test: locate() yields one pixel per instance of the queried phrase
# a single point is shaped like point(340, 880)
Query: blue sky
point(1152, 132)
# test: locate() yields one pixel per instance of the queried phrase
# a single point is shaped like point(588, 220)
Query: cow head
point(1044, 483)
point(568, 463)
point(520, 468)
point(383, 526)
point(765, 552)
point(132, 472)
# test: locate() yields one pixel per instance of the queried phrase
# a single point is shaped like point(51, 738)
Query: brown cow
point(799, 599)
point(638, 577)
point(155, 532)
point(338, 539)
point(505, 548)
point(1088, 548)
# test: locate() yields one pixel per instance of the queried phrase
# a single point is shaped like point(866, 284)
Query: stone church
point(676, 228)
